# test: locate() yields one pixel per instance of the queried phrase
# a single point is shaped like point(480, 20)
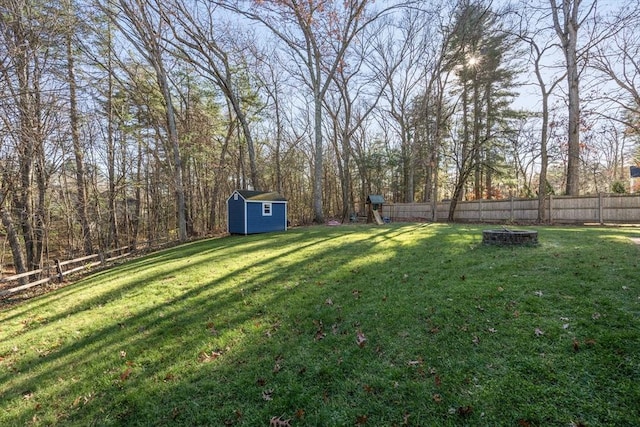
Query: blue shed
point(250, 212)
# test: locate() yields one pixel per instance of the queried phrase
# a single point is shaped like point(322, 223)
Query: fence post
point(59, 270)
point(600, 209)
point(550, 209)
point(512, 209)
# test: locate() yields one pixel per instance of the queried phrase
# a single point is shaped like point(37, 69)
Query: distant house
point(250, 212)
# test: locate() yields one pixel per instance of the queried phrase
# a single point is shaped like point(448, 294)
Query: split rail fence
point(56, 270)
point(597, 209)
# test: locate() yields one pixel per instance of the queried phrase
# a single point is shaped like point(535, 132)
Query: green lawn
point(401, 324)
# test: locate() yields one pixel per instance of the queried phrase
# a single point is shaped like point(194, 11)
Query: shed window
point(266, 209)
point(235, 196)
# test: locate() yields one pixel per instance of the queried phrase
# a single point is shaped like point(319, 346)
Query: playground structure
point(375, 202)
point(377, 218)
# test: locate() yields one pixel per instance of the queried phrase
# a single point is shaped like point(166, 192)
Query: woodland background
point(130, 121)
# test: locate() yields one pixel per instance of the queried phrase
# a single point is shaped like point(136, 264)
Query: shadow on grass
point(272, 332)
point(98, 351)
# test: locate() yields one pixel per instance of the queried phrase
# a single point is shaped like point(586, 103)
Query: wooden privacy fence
point(600, 209)
point(58, 269)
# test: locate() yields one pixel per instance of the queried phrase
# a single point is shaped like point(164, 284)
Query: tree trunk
point(544, 159)
point(573, 161)
point(477, 144)
point(410, 171)
point(81, 183)
point(163, 81)
point(14, 241)
point(112, 233)
point(113, 238)
point(567, 32)
point(318, 161)
point(218, 176)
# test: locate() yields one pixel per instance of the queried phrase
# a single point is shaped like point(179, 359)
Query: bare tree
point(355, 94)
point(434, 109)
point(317, 34)
point(74, 120)
point(215, 50)
point(30, 114)
point(402, 56)
point(540, 47)
point(568, 16)
point(143, 28)
point(617, 60)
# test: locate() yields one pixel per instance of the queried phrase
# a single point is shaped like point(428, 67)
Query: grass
point(404, 324)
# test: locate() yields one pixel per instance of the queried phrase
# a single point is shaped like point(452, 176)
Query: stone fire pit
point(509, 237)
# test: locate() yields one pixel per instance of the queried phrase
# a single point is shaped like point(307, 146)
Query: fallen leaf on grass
point(405, 419)
point(206, 357)
point(335, 329)
point(576, 345)
point(493, 330)
point(361, 420)
point(465, 411)
point(126, 374)
point(596, 316)
point(437, 398)
point(320, 333)
point(361, 339)
point(538, 332)
point(267, 395)
point(538, 293)
point(279, 422)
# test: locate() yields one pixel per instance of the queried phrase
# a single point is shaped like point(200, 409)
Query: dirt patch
point(635, 240)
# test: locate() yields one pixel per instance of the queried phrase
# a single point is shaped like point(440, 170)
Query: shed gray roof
point(263, 196)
